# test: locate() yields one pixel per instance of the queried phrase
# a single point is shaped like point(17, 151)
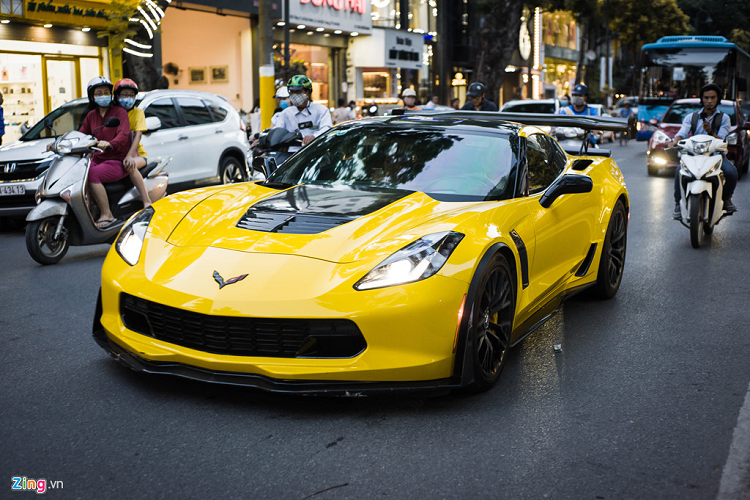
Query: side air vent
point(586, 264)
point(285, 222)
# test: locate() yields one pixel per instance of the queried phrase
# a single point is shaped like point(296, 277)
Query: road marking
point(735, 480)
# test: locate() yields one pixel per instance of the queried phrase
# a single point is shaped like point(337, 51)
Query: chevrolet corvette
point(405, 252)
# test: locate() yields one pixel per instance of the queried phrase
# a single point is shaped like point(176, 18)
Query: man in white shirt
point(303, 115)
point(708, 121)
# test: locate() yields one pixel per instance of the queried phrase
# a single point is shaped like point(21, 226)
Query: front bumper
point(18, 205)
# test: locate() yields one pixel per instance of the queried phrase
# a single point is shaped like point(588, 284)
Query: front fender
point(47, 208)
point(699, 186)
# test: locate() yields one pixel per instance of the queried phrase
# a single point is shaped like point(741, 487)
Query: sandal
point(104, 223)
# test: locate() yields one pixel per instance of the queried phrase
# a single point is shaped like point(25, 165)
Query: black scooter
point(274, 147)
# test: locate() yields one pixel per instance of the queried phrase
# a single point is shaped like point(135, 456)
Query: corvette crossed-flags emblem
point(223, 283)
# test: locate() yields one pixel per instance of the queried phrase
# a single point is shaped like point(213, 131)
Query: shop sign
point(403, 49)
point(349, 16)
point(69, 13)
point(459, 80)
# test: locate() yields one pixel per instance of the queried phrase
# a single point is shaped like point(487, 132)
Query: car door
point(169, 141)
point(564, 231)
point(203, 136)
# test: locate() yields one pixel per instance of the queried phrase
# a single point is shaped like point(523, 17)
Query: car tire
point(493, 309)
point(231, 170)
point(612, 261)
point(41, 244)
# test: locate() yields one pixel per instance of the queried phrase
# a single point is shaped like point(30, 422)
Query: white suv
point(202, 133)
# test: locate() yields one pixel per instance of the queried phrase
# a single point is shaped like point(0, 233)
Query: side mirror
point(566, 184)
point(48, 123)
point(153, 123)
point(112, 122)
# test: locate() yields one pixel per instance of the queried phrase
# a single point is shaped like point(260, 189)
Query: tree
point(728, 18)
point(499, 23)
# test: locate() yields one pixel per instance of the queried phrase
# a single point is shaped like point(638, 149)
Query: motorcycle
point(63, 216)
point(274, 147)
point(701, 185)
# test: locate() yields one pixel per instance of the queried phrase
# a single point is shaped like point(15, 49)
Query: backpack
point(715, 122)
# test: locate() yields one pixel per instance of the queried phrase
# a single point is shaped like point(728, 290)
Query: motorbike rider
point(579, 103)
point(476, 101)
point(708, 121)
point(125, 91)
point(282, 102)
point(106, 166)
point(409, 97)
point(303, 115)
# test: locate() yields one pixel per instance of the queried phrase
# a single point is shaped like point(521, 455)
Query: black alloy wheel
point(612, 262)
point(231, 170)
point(493, 310)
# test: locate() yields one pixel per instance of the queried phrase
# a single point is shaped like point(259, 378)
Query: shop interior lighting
point(310, 33)
point(301, 26)
point(281, 23)
point(337, 32)
point(147, 18)
point(148, 29)
point(5, 21)
point(152, 6)
point(86, 29)
point(353, 33)
point(47, 25)
point(320, 29)
point(137, 45)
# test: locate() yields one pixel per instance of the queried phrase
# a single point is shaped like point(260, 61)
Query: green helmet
point(299, 82)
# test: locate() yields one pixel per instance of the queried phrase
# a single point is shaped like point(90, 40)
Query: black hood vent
point(306, 209)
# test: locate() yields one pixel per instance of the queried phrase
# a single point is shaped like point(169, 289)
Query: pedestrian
point(2, 120)
point(432, 102)
point(353, 113)
point(342, 113)
point(477, 102)
point(282, 102)
point(162, 82)
point(409, 96)
point(456, 103)
point(564, 100)
point(625, 112)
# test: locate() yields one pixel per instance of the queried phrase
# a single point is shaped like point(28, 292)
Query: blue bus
point(678, 66)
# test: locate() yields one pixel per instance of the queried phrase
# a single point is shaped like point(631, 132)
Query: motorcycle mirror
point(112, 122)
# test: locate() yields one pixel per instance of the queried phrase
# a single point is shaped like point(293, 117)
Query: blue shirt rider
point(579, 105)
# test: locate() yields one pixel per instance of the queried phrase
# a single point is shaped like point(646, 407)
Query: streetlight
point(698, 17)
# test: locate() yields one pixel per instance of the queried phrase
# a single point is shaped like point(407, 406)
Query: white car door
point(170, 141)
point(203, 136)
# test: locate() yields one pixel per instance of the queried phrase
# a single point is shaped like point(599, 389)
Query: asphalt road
point(643, 402)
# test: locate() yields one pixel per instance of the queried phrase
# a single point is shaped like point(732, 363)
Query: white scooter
point(63, 217)
point(701, 185)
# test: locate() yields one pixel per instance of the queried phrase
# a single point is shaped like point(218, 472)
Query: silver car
point(200, 131)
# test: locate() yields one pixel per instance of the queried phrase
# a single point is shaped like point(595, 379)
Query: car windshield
point(446, 163)
point(63, 119)
point(530, 107)
point(647, 112)
point(678, 112)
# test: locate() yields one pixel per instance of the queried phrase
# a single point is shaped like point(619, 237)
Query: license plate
point(12, 190)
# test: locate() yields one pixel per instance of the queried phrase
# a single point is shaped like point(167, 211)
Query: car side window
point(194, 111)
point(560, 158)
point(217, 112)
point(543, 167)
point(165, 111)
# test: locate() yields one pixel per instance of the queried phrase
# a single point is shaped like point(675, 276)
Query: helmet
point(125, 83)
point(97, 81)
point(282, 93)
point(475, 89)
point(711, 86)
point(299, 82)
point(580, 89)
point(409, 93)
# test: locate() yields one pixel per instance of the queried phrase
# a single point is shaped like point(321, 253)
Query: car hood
point(670, 129)
point(336, 224)
point(26, 150)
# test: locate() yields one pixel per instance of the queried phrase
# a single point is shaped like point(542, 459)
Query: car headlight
point(416, 261)
point(130, 241)
point(732, 139)
point(660, 137)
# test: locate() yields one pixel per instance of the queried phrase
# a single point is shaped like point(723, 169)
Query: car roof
point(180, 92)
point(425, 120)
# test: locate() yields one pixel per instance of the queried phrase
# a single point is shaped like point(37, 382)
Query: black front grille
point(22, 170)
point(289, 222)
point(243, 336)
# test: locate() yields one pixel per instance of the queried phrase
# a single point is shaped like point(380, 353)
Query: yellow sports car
point(393, 253)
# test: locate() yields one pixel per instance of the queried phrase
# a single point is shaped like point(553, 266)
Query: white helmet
point(282, 93)
point(409, 92)
point(97, 81)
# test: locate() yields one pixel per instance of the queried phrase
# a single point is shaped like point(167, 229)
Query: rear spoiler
point(538, 119)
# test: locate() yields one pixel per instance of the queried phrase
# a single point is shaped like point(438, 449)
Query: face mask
point(298, 99)
point(563, 102)
point(103, 100)
point(578, 100)
point(284, 104)
point(127, 102)
point(409, 101)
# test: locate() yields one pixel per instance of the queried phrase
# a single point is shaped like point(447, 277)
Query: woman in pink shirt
point(107, 165)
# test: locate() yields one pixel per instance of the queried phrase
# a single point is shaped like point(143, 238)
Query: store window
point(560, 29)
point(384, 13)
point(11, 7)
point(376, 84)
point(315, 60)
point(21, 85)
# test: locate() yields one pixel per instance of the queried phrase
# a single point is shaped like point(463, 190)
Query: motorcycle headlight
point(660, 137)
point(130, 241)
point(701, 147)
point(732, 139)
point(416, 261)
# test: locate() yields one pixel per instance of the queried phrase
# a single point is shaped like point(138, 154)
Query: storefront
point(561, 38)
point(48, 54)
